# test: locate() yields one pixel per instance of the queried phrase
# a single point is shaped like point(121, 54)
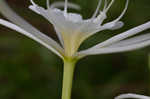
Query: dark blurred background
point(30, 71)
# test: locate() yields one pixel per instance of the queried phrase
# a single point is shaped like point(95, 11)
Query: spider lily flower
point(72, 29)
point(135, 96)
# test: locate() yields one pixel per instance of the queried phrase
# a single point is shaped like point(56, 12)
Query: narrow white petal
point(123, 96)
point(15, 27)
point(33, 8)
point(123, 35)
point(61, 4)
point(114, 25)
point(12, 16)
point(108, 50)
point(118, 25)
point(22, 31)
point(132, 40)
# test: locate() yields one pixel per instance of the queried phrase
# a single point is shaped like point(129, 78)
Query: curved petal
point(12, 16)
point(117, 49)
point(22, 31)
point(123, 96)
point(123, 35)
point(117, 25)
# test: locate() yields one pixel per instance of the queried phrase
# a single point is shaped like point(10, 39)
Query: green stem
point(69, 67)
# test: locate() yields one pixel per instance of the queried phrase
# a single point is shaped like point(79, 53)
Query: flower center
point(71, 43)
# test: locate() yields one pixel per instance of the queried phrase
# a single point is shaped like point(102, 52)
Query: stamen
point(109, 5)
point(66, 5)
point(48, 4)
point(116, 24)
point(97, 9)
point(124, 11)
point(106, 2)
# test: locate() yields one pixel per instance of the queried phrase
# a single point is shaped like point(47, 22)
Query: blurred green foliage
point(30, 71)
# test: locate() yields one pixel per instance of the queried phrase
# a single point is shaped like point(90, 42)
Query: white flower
point(135, 96)
point(72, 29)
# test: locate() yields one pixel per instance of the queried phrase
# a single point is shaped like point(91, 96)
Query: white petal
point(113, 25)
point(108, 50)
point(123, 96)
point(132, 40)
point(118, 25)
point(123, 35)
point(61, 4)
point(22, 31)
point(15, 27)
point(12, 16)
point(33, 8)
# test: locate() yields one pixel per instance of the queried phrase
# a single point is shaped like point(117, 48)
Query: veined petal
point(12, 16)
point(108, 50)
point(22, 31)
point(123, 96)
point(123, 35)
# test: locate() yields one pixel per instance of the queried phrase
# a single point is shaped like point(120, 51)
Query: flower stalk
point(69, 67)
